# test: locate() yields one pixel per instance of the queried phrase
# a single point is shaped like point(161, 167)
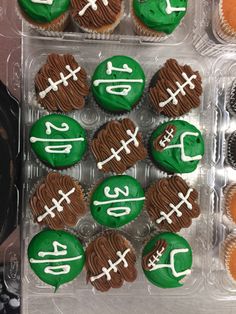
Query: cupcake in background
point(230, 202)
point(230, 256)
point(226, 27)
point(157, 18)
point(231, 150)
point(97, 16)
point(45, 15)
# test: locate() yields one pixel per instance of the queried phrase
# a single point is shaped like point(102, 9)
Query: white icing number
point(184, 157)
point(155, 258)
point(57, 205)
point(175, 208)
point(115, 211)
point(64, 80)
point(167, 137)
point(113, 266)
point(172, 264)
point(50, 2)
point(57, 149)
point(56, 270)
point(115, 154)
point(115, 89)
point(170, 9)
point(93, 5)
point(180, 89)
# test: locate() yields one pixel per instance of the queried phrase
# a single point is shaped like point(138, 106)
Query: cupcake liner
point(228, 193)
point(231, 99)
point(231, 145)
point(228, 247)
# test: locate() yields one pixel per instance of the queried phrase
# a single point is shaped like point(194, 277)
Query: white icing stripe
point(96, 203)
point(180, 89)
point(175, 208)
point(44, 261)
point(57, 205)
point(184, 157)
point(64, 79)
point(125, 68)
point(50, 2)
point(167, 137)
point(56, 252)
point(38, 139)
point(93, 5)
point(65, 269)
point(113, 266)
point(115, 154)
point(117, 192)
point(155, 258)
point(98, 82)
point(170, 9)
point(113, 211)
point(172, 264)
point(49, 126)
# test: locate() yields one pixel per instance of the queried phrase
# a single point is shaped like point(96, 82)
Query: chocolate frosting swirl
point(111, 136)
point(166, 79)
point(95, 19)
point(100, 252)
point(66, 97)
point(159, 248)
point(165, 192)
point(48, 191)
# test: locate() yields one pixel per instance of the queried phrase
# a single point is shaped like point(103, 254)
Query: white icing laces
point(184, 157)
point(173, 95)
point(57, 205)
point(113, 266)
point(49, 2)
point(119, 89)
point(175, 208)
point(172, 264)
point(117, 211)
point(58, 250)
point(155, 258)
point(167, 138)
point(64, 80)
point(92, 4)
point(170, 9)
point(57, 149)
point(124, 146)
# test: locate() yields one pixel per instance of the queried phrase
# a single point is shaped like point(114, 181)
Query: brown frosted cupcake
point(61, 84)
point(230, 203)
point(97, 16)
point(171, 204)
point(110, 261)
point(227, 22)
point(175, 90)
point(230, 256)
point(58, 202)
point(117, 146)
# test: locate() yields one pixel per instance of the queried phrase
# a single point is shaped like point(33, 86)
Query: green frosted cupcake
point(56, 257)
point(47, 15)
point(167, 260)
point(157, 17)
point(58, 141)
point(117, 201)
point(176, 147)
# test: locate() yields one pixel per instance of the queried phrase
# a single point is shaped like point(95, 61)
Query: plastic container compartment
point(207, 39)
point(124, 32)
point(35, 293)
point(219, 284)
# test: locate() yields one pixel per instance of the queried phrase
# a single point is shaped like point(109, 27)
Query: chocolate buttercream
point(154, 256)
point(61, 84)
point(60, 195)
point(175, 89)
point(164, 139)
point(171, 204)
point(104, 252)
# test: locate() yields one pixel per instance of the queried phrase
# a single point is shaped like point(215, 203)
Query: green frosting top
point(56, 257)
point(166, 260)
point(177, 146)
point(160, 15)
point(58, 141)
point(44, 11)
point(118, 84)
point(117, 201)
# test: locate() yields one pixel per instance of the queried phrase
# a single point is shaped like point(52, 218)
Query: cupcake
point(176, 147)
point(227, 22)
point(58, 141)
point(46, 15)
point(230, 256)
point(230, 202)
point(171, 204)
point(157, 18)
point(97, 16)
point(174, 90)
point(231, 105)
point(231, 150)
point(167, 260)
point(61, 84)
point(56, 257)
point(117, 146)
point(118, 84)
point(110, 261)
point(58, 202)
point(117, 201)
